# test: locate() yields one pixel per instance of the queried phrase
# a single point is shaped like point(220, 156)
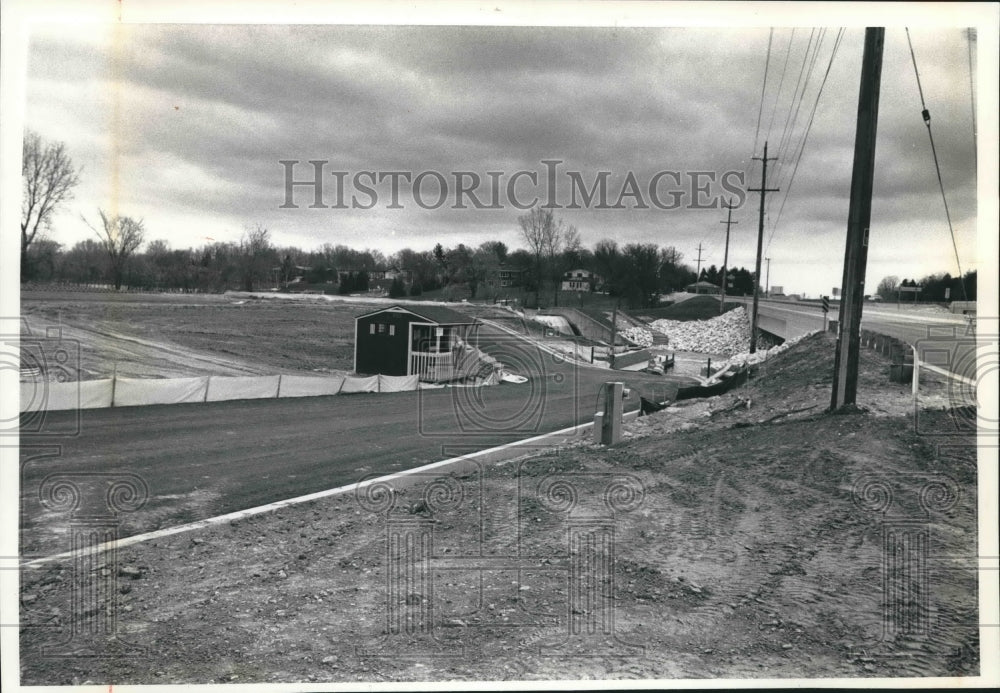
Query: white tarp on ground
point(397, 383)
point(309, 386)
point(87, 394)
point(221, 388)
point(134, 392)
point(352, 385)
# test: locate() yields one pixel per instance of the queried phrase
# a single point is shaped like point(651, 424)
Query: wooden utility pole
point(845, 369)
point(763, 190)
point(698, 271)
point(725, 258)
point(614, 335)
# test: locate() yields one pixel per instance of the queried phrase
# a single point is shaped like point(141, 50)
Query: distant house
point(579, 280)
point(296, 273)
point(509, 277)
point(427, 341)
point(406, 276)
point(373, 274)
point(702, 288)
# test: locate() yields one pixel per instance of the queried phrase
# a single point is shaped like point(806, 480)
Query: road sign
point(826, 304)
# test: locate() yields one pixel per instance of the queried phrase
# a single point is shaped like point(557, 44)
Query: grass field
point(157, 336)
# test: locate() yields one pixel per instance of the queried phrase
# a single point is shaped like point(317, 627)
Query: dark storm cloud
point(201, 116)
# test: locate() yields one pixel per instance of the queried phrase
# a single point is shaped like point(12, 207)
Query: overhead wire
point(795, 93)
point(805, 136)
point(937, 167)
point(781, 82)
point(763, 89)
point(811, 59)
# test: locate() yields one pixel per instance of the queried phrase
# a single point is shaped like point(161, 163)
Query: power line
point(781, 82)
point(805, 137)
point(782, 147)
point(937, 167)
point(760, 111)
point(795, 92)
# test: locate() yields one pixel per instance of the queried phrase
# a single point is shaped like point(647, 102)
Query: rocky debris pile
point(638, 335)
point(762, 355)
point(726, 334)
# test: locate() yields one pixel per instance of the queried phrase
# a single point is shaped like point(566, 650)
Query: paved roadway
point(202, 460)
point(941, 332)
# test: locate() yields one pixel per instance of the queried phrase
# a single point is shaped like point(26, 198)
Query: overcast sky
point(184, 126)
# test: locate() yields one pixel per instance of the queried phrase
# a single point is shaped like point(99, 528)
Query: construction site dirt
point(750, 535)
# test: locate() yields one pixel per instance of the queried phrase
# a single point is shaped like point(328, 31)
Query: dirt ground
point(740, 536)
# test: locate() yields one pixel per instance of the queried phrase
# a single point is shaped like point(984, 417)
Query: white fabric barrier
point(352, 385)
point(135, 392)
point(309, 386)
point(222, 388)
point(52, 396)
point(397, 383)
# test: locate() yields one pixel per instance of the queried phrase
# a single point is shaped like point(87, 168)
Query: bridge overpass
point(788, 319)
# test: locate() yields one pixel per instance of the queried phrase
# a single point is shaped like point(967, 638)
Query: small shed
point(427, 341)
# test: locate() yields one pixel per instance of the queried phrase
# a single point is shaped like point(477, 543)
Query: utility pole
point(698, 271)
point(767, 280)
point(725, 258)
point(845, 369)
point(614, 334)
point(763, 190)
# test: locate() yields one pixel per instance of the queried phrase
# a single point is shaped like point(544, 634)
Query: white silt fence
point(138, 392)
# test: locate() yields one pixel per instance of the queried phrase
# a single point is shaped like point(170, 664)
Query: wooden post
point(845, 378)
point(763, 190)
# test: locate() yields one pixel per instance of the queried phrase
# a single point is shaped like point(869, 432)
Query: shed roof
point(436, 314)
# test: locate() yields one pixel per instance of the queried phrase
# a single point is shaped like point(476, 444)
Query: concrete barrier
point(630, 358)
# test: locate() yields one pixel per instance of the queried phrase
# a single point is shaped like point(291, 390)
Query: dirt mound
point(694, 308)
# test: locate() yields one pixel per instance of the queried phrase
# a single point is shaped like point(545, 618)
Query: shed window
point(371, 328)
point(392, 330)
point(381, 328)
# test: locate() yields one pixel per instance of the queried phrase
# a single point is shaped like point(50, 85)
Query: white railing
point(435, 367)
point(432, 366)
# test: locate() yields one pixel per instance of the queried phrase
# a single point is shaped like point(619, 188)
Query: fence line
point(36, 396)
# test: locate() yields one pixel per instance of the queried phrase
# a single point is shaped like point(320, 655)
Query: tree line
point(120, 254)
point(938, 288)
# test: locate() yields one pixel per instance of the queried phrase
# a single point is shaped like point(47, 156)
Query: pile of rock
point(638, 335)
point(762, 355)
point(727, 334)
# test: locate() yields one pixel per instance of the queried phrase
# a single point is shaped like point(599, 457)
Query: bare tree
point(565, 238)
point(49, 179)
point(887, 287)
point(121, 237)
point(545, 237)
point(254, 250)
